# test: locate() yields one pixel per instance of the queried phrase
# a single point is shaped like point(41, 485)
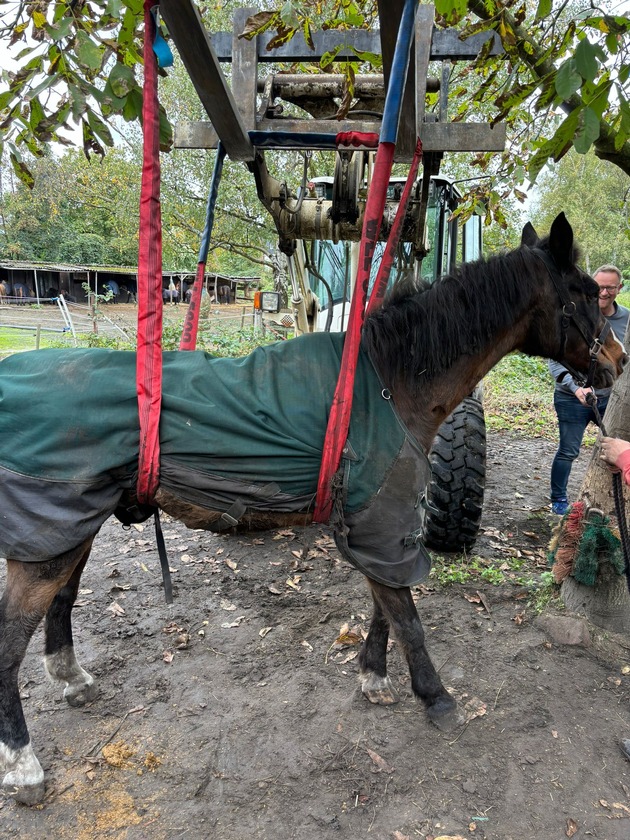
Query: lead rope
point(620, 510)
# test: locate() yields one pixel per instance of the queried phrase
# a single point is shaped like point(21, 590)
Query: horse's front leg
point(30, 589)
point(60, 660)
point(396, 608)
point(375, 683)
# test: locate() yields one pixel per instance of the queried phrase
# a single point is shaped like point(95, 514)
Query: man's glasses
point(610, 289)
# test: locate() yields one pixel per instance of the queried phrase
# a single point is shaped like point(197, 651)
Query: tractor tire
point(455, 493)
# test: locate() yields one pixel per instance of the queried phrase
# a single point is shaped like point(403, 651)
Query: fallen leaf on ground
point(231, 564)
point(348, 638)
point(380, 762)
point(167, 656)
point(398, 835)
point(227, 606)
point(475, 708)
point(182, 641)
point(116, 608)
point(262, 633)
point(235, 623)
point(572, 827)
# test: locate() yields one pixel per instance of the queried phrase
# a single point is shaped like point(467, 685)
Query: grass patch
point(518, 397)
point(476, 571)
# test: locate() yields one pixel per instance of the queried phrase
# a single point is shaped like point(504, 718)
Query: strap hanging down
point(341, 408)
point(149, 355)
point(191, 323)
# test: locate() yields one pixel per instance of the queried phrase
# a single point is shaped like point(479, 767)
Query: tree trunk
point(607, 604)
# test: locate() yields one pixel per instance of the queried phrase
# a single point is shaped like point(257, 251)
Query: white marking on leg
point(62, 667)
point(378, 689)
point(21, 767)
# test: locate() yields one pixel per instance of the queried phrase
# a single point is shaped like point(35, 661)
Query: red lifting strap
point(341, 408)
point(339, 417)
point(357, 139)
point(149, 355)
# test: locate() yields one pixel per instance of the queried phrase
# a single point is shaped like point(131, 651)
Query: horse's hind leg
point(30, 589)
point(60, 660)
point(396, 608)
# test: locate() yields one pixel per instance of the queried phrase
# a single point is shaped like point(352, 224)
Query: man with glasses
point(570, 400)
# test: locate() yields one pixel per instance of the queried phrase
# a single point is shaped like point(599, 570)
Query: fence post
point(92, 307)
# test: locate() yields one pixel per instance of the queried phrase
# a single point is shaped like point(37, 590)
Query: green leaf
point(568, 80)
point(78, 101)
point(61, 30)
point(132, 109)
point(586, 63)
point(544, 9)
point(556, 147)
point(289, 16)
point(166, 132)
point(121, 79)
point(452, 10)
point(37, 113)
point(5, 99)
point(99, 128)
point(371, 58)
point(588, 131)
point(89, 54)
point(328, 57)
point(22, 171)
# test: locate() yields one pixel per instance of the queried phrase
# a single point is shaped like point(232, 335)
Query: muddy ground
point(233, 714)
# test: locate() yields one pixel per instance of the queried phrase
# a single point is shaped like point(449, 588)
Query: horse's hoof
point(378, 689)
point(445, 714)
point(79, 695)
point(25, 794)
point(24, 781)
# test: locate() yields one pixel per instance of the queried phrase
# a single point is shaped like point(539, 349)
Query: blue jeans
point(573, 418)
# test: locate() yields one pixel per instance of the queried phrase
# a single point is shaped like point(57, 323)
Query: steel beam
point(195, 49)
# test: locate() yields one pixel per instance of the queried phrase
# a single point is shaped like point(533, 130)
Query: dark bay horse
point(421, 355)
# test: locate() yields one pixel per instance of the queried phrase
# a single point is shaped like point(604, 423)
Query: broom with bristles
point(582, 536)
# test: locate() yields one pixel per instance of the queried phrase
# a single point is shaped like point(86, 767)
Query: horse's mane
point(418, 334)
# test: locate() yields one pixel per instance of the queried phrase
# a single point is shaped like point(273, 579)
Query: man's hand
point(582, 395)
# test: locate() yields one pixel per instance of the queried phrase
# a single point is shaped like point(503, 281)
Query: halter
point(568, 315)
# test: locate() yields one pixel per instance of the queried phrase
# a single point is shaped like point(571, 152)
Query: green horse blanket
point(235, 434)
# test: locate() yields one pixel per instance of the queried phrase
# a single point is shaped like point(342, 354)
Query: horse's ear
point(529, 236)
point(561, 241)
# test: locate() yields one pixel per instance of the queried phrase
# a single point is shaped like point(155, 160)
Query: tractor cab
point(328, 264)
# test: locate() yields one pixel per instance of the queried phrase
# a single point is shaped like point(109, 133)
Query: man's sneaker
point(560, 507)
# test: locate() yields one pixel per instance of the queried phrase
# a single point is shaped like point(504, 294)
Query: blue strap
point(160, 47)
point(398, 73)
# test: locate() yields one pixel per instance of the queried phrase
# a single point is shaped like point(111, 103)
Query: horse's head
point(579, 336)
